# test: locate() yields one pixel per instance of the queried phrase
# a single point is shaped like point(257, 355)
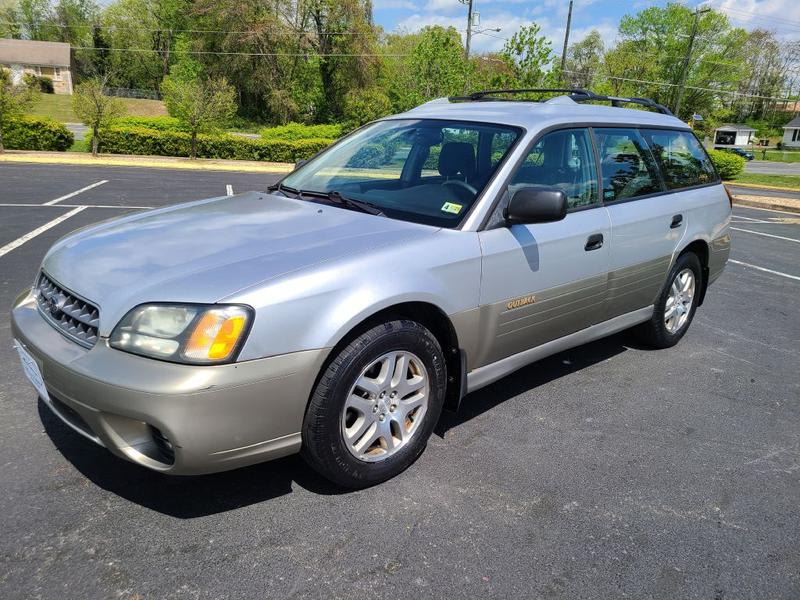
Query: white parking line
point(76, 192)
point(744, 264)
point(24, 205)
point(777, 237)
point(32, 234)
point(750, 219)
point(229, 189)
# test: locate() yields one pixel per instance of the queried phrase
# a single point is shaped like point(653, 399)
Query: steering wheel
point(461, 184)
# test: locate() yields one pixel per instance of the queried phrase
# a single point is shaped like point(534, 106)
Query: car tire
point(674, 302)
point(357, 391)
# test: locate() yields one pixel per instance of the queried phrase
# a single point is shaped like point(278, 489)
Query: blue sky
point(782, 16)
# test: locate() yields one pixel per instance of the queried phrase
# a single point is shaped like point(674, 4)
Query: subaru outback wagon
point(418, 259)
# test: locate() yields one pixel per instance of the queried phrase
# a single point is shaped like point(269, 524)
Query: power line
point(222, 53)
point(689, 87)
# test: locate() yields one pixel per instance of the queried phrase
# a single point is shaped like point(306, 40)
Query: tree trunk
point(95, 140)
point(2, 148)
point(194, 145)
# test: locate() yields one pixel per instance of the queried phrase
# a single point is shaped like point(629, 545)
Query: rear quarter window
point(681, 158)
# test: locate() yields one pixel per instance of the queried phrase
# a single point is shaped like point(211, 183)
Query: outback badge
point(519, 302)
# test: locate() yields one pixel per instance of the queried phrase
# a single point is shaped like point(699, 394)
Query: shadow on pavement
point(535, 375)
point(198, 496)
point(183, 497)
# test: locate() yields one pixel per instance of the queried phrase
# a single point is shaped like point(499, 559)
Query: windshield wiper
point(366, 207)
point(334, 196)
point(279, 187)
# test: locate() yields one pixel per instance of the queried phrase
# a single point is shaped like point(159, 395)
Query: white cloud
point(390, 4)
point(780, 16)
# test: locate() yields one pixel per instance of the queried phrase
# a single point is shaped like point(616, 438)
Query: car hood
point(208, 250)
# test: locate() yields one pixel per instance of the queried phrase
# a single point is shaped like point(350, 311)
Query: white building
point(791, 134)
point(732, 135)
point(45, 59)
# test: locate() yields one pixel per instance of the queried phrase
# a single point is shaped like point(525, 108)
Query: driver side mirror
point(537, 205)
point(300, 163)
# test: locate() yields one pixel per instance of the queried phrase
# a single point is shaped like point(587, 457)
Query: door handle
point(594, 242)
point(677, 220)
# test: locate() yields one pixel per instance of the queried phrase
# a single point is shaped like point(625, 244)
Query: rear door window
point(680, 156)
point(627, 165)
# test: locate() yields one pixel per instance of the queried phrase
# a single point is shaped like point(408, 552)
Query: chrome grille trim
point(74, 317)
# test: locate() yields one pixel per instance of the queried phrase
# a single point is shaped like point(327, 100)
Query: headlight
point(186, 333)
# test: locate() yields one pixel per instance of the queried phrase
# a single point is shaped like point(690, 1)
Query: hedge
point(140, 140)
point(163, 123)
point(728, 165)
point(298, 131)
point(36, 133)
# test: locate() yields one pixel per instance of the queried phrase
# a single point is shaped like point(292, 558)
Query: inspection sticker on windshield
point(452, 207)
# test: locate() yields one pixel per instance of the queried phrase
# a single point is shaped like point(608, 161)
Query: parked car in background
point(420, 258)
point(739, 152)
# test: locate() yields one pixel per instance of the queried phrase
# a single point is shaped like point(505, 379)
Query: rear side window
point(627, 166)
point(680, 156)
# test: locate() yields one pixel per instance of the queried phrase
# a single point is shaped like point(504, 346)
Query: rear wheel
point(675, 305)
point(376, 405)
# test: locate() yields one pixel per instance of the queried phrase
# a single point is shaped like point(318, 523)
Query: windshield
point(422, 170)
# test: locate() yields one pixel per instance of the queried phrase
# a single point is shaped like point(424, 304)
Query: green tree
point(201, 105)
point(528, 54)
point(424, 65)
point(659, 36)
point(94, 108)
point(14, 100)
point(583, 61)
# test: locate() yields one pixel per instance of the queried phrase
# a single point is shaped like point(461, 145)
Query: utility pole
point(688, 57)
point(566, 43)
point(469, 27)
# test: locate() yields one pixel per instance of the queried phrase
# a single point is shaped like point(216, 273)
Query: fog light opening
point(163, 445)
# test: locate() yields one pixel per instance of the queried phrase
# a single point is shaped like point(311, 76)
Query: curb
point(758, 186)
point(773, 204)
point(150, 162)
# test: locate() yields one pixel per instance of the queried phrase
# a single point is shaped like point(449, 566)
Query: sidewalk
point(163, 162)
point(775, 203)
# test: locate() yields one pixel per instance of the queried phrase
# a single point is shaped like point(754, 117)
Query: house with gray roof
point(791, 134)
point(45, 59)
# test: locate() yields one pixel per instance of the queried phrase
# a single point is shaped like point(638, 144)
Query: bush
point(728, 165)
point(158, 123)
point(43, 84)
point(298, 131)
point(140, 140)
point(36, 133)
point(363, 106)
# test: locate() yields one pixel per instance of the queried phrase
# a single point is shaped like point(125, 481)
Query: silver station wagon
point(420, 258)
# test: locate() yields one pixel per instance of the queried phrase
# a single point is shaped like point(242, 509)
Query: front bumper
point(177, 419)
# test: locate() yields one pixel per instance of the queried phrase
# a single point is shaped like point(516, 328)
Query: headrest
point(455, 158)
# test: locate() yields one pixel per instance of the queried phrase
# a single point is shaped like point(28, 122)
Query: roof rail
point(575, 94)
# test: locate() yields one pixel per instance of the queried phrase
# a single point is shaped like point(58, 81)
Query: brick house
point(46, 59)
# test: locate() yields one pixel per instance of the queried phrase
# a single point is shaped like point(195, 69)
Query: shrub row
point(298, 131)
point(36, 133)
point(162, 123)
point(728, 165)
point(140, 140)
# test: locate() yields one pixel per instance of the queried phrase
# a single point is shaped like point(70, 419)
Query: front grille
point(74, 317)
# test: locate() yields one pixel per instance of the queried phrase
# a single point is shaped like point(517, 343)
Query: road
point(607, 471)
point(769, 167)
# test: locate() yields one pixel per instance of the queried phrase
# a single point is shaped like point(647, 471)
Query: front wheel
point(675, 305)
point(376, 405)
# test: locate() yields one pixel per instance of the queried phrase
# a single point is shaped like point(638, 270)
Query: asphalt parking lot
point(607, 471)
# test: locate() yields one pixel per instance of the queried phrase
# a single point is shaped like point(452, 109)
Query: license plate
point(32, 372)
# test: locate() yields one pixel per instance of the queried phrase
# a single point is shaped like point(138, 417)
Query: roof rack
point(575, 94)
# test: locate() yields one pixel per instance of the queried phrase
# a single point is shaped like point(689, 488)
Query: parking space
point(606, 471)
